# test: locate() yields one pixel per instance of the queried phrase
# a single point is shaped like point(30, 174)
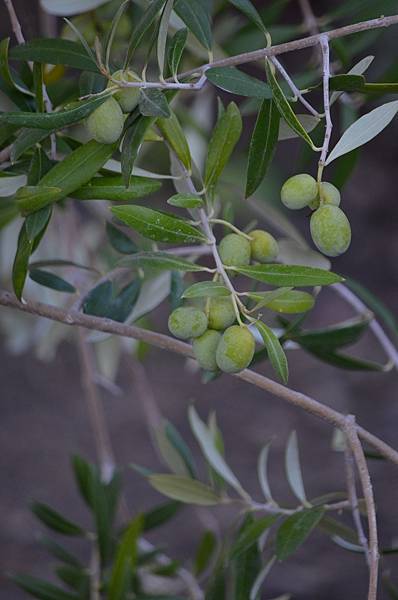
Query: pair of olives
point(217, 342)
point(105, 124)
point(330, 228)
point(237, 251)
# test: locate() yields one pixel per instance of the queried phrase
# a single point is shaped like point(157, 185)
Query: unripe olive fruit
point(235, 250)
point(221, 313)
point(235, 350)
point(330, 195)
point(330, 230)
point(264, 247)
point(105, 124)
point(187, 322)
point(205, 348)
point(298, 191)
point(127, 97)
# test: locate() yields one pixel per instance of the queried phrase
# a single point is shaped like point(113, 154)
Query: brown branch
point(351, 432)
point(353, 499)
point(300, 44)
point(167, 343)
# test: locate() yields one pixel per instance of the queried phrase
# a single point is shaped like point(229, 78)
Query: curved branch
point(167, 343)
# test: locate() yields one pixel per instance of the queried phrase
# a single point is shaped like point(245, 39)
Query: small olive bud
point(234, 250)
point(298, 191)
point(127, 97)
point(105, 124)
point(235, 350)
point(205, 348)
point(187, 322)
point(221, 313)
point(329, 195)
point(330, 230)
point(264, 247)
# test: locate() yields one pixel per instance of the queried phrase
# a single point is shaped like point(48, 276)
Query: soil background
point(44, 418)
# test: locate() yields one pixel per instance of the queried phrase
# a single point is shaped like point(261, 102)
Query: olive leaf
point(295, 530)
point(206, 289)
point(174, 135)
point(289, 275)
point(293, 468)
point(51, 281)
point(185, 201)
point(176, 49)
point(112, 188)
point(274, 350)
point(55, 51)
point(131, 145)
point(224, 139)
point(161, 261)
point(158, 226)
point(196, 16)
point(153, 103)
point(184, 489)
point(262, 145)
point(364, 129)
point(237, 82)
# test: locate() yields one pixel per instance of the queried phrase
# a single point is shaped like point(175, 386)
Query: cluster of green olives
point(330, 228)
point(217, 342)
point(105, 124)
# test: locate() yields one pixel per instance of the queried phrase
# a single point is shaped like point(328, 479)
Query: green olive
point(105, 124)
point(298, 191)
point(235, 350)
point(187, 322)
point(205, 348)
point(330, 230)
point(221, 313)
point(235, 250)
point(127, 97)
point(264, 247)
point(330, 195)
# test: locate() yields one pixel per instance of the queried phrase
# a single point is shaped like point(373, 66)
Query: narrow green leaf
point(364, 129)
point(206, 289)
point(274, 350)
point(196, 16)
point(185, 201)
point(125, 560)
point(309, 122)
point(54, 51)
point(176, 50)
point(161, 261)
point(224, 139)
point(246, 567)
point(205, 552)
point(36, 196)
point(37, 222)
point(174, 135)
point(21, 260)
point(262, 472)
point(158, 226)
point(112, 188)
point(162, 36)
point(59, 552)
point(285, 300)
point(231, 79)
point(42, 589)
point(77, 111)
point(153, 103)
point(289, 275)
point(335, 336)
point(251, 534)
point(295, 530)
point(131, 145)
point(184, 489)
point(148, 17)
point(375, 304)
point(160, 514)
point(51, 281)
point(210, 451)
point(293, 468)
point(5, 71)
point(344, 361)
point(26, 139)
point(55, 521)
point(248, 9)
point(101, 301)
point(262, 145)
point(357, 69)
point(119, 240)
point(284, 107)
point(347, 83)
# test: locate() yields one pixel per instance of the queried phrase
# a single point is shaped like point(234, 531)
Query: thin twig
point(374, 325)
point(301, 44)
point(351, 432)
point(353, 499)
point(297, 93)
point(165, 342)
point(97, 418)
point(324, 43)
point(310, 20)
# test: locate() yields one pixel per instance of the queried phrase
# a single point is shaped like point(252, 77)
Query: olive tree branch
point(164, 342)
point(324, 43)
point(356, 447)
point(353, 499)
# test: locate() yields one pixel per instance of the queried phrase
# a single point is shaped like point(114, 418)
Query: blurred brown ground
point(44, 418)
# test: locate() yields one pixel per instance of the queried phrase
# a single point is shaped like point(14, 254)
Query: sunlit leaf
point(184, 489)
point(288, 275)
point(293, 468)
point(237, 82)
point(206, 289)
point(274, 350)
